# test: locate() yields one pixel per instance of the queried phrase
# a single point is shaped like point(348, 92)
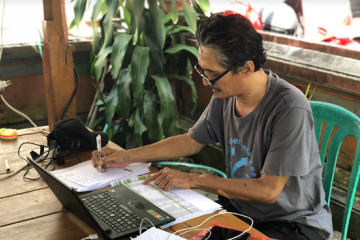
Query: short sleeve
point(290, 147)
point(208, 129)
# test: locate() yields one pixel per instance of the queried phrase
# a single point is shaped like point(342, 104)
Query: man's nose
point(205, 82)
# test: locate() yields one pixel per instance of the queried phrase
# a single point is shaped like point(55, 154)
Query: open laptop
point(113, 212)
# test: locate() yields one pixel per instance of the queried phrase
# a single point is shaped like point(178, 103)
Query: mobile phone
point(220, 233)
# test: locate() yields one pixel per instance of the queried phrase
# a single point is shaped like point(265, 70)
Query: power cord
point(74, 94)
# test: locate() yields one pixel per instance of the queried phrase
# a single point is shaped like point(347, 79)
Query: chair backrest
point(348, 125)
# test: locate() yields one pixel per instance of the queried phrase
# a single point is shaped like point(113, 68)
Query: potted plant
point(142, 53)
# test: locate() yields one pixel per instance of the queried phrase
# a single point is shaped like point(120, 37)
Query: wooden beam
point(57, 62)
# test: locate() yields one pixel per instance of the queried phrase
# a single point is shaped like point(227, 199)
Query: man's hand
point(111, 158)
point(169, 178)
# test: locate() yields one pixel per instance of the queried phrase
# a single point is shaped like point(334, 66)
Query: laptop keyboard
point(112, 212)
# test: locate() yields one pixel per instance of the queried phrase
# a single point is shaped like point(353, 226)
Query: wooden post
point(57, 62)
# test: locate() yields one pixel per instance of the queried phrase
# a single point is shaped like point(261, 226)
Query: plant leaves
point(124, 93)
point(139, 67)
point(157, 24)
point(205, 5)
point(166, 18)
point(111, 103)
point(72, 25)
point(179, 47)
point(190, 15)
point(117, 56)
point(175, 28)
point(138, 8)
point(175, 128)
point(151, 114)
point(100, 63)
point(192, 87)
point(174, 12)
point(94, 16)
point(167, 102)
point(107, 25)
point(79, 10)
point(132, 120)
point(99, 102)
point(160, 124)
point(127, 17)
point(197, 8)
point(139, 127)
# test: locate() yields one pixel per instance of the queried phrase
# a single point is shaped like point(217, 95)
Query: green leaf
point(79, 10)
point(138, 8)
point(190, 15)
point(132, 120)
point(175, 128)
point(127, 17)
point(167, 102)
point(151, 115)
point(117, 56)
point(94, 16)
point(166, 18)
point(205, 5)
point(99, 103)
point(111, 103)
point(128, 5)
point(157, 25)
point(179, 47)
point(174, 12)
point(191, 85)
point(72, 24)
point(107, 25)
point(160, 124)
point(100, 63)
point(175, 28)
point(139, 66)
point(92, 61)
point(139, 127)
point(124, 93)
point(197, 8)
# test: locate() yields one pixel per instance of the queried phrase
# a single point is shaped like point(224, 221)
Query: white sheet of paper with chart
point(181, 204)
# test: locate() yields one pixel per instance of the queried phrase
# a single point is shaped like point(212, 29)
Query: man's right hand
point(111, 158)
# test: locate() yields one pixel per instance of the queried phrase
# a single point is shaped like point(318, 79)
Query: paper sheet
point(157, 234)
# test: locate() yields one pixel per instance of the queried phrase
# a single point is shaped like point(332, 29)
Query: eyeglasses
point(201, 73)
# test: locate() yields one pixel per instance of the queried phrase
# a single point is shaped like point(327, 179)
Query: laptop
point(113, 213)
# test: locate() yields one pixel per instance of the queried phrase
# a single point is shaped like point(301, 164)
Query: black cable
point(73, 96)
point(28, 163)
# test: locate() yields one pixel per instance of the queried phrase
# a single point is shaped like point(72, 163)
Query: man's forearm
point(173, 147)
point(240, 189)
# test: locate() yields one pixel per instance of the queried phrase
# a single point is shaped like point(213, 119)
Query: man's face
point(229, 85)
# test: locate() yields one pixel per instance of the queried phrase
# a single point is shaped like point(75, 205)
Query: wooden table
point(29, 210)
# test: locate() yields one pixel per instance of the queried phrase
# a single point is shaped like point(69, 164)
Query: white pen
point(98, 142)
point(7, 166)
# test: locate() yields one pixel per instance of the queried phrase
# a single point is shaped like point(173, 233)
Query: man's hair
point(234, 40)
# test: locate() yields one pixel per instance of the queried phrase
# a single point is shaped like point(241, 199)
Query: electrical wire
point(192, 165)
point(74, 94)
point(42, 157)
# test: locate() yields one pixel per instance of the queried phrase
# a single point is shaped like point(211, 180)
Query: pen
point(98, 141)
point(7, 166)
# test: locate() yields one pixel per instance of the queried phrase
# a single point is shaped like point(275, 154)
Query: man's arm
point(169, 148)
point(265, 189)
point(173, 147)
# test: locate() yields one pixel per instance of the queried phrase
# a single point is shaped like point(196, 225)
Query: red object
point(203, 233)
point(248, 12)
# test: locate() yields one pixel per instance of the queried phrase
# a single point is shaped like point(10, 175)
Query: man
point(265, 127)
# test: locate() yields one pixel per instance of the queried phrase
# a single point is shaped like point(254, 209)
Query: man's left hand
point(169, 178)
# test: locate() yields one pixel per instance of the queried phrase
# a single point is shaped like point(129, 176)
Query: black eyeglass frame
point(212, 82)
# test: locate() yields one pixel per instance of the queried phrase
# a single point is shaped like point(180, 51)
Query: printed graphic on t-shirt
point(238, 157)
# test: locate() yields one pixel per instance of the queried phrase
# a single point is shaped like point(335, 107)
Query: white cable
point(220, 213)
point(140, 228)
point(22, 114)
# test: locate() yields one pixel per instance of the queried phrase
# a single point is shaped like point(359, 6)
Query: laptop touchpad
point(137, 205)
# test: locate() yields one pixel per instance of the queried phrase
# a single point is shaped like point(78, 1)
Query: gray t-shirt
point(277, 138)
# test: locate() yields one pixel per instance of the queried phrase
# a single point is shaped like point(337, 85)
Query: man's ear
point(248, 68)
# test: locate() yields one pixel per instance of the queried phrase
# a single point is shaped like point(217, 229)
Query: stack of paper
point(84, 177)
point(181, 204)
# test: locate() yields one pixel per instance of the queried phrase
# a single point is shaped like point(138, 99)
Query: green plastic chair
point(348, 125)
